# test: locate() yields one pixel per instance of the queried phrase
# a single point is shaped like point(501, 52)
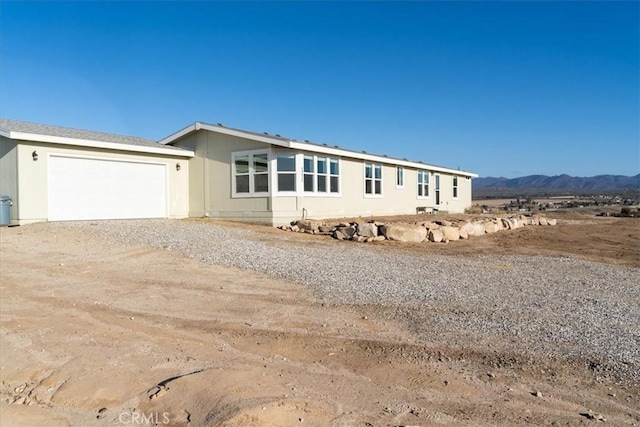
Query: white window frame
point(437, 194)
point(424, 184)
point(251, 174)
point(324, 174)
point(315, 175)
point(455, 188)
point(400, 177)
point(333, 175)
point(373, 180)
point(277, 173)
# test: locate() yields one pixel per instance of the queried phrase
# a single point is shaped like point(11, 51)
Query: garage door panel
point(81, 189)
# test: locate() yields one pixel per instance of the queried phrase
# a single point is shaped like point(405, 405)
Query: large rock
point(468, 228)
point(404, 232)
point(337, 234)
point(543, 221)
point(478, 228)
point(429, 224)
point(473, 228)
point(436, 236)
point(506, 224)
point(368, 230)
point(326, 228)
point(551, 221)
point(347, 231)
point(450, 232)
point(308, 224)
point(490, 227)
point(463, 234)
point(514, 223)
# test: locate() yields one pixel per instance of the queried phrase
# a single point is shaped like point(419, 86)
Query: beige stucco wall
point(32, 177)
point(354, 202)
point(210, 188)
point(8, 173)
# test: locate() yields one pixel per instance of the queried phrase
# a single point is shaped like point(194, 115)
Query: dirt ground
point(581, 234)
point(98, 334)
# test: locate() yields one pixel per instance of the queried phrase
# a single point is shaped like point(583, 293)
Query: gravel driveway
point(556, 307)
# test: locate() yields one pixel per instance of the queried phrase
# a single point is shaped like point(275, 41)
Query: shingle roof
point(40, 129)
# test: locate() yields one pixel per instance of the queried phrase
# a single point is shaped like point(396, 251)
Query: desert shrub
point(475, 209)
point(629, 213)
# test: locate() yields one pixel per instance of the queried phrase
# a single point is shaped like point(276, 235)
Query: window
point(260, 173)
point(242, 174)
point(321, 174)
point(334, 176)
point(437, 177)
point(308, 173)
point(455, 187)
point(399, 177)
point(423, 184)
point(372, 179)
point(286, 172)
point(250, 173)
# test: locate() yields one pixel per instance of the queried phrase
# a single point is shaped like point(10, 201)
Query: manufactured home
point(205, 170)
point(248, 176)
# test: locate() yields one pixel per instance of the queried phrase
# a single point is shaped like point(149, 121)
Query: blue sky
point(501, 89)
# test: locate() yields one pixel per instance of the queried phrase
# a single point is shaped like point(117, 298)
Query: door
point(85, 189)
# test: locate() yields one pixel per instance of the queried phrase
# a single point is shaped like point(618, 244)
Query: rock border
point(438, 231)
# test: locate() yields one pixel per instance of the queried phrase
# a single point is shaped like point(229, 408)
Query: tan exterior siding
point(394, 201)
point(32, 177)
point(210, 186)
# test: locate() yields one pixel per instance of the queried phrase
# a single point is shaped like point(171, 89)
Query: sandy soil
point(101, 334)
point(580, 234)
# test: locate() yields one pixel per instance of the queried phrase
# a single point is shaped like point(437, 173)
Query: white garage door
point(82, 189)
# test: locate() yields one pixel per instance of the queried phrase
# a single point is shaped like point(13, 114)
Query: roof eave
point(24, 136)
point(219, 129)
point(376, 158)
point(304, 146)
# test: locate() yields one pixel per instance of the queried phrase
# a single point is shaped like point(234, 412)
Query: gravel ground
point(556, 307)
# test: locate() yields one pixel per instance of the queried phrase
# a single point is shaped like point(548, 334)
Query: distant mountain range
point(560, 182)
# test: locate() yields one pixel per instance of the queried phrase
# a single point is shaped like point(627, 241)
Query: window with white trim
point(399, 177)
point(321, 174)
point(286, 165)
point(372, 179)
point(250, 173)
point(455, 187)
point(334, 176)
point(423, 184)
point(437, 189)
point(309, 174)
